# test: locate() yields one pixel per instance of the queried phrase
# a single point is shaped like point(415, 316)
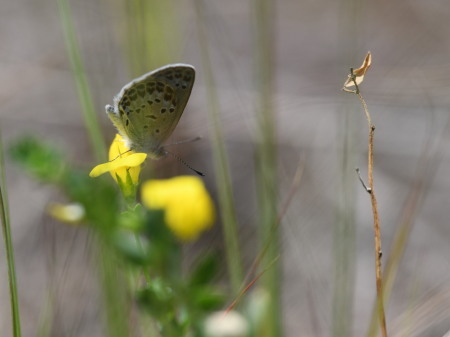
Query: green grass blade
point(147, 45)
point(344, 244)
point(84, 95)
point(223, 176)
point(266, 161)
point(344, 250)
point(4, 217)
point(115, 301)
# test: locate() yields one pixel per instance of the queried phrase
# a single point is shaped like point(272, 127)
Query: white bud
point(226, 324)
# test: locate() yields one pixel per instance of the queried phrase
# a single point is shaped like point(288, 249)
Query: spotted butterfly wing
point(147, 110)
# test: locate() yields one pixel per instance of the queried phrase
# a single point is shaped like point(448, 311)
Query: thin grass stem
point(79, 74)
point(7, 236)
point(430, 159)
point(266, 159)
point(223, 176)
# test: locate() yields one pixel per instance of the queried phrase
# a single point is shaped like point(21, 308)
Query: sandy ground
point(407, 93)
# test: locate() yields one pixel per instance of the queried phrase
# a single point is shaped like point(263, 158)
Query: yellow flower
point(188, 208)
point(124, 165)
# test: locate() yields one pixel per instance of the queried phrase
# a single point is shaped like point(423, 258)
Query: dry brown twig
point(354, 79)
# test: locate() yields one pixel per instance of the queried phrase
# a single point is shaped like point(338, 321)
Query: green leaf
point(207, 298)
point(38, 159)
point(99, 197)
point(158, 299)
point(133, 219)
point(205, 271)
point(133, 249)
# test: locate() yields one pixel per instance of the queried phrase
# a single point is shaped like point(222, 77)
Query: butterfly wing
point(148, 109)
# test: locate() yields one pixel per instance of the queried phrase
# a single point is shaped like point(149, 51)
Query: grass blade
point(266, 161)
point(84, 95)
point(4, 217)
point(223, 176)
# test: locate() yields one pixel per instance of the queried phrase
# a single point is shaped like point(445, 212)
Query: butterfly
point(147, 110)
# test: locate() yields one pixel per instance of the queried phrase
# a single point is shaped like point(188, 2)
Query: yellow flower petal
point(188, 207)
point(118, 148)
point(124, 165)
point(132, 160)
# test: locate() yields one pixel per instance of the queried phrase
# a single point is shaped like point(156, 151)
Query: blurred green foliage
point(144, 244)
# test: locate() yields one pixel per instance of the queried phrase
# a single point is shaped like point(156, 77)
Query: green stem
point(145, 272)
point(344, 229)
point(4, 216)
point(223, 176)
point(344, 235)
point(266, 160)
point(84, 95)
point(114, 291)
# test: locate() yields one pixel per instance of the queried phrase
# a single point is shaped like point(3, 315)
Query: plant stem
point(223, 176)
point(78, 70)
point(350, 17)
point(266, 160)
point(4, 217)
point(115, 298)
point(429, 161)
point(376, 221)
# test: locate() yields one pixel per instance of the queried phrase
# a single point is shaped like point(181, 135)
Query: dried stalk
point(376, 221)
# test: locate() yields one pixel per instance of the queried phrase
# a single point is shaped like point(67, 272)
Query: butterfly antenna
point(184, 163)
point(120, 155)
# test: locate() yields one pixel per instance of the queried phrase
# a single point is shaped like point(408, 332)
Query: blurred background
point(326, 235)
